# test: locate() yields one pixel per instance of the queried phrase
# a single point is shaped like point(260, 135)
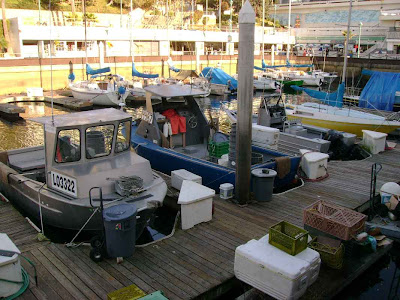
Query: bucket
point(226, 191)
point(256, 158)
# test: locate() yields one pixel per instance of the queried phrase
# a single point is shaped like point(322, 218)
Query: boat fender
point(169, 129)
point(165, 129)
point(5, 171)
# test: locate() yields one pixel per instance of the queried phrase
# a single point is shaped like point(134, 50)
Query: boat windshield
point(123, 134)
point(99, 140)
point(68, 146)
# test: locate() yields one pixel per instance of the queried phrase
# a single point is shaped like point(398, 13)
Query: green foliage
point(224, 6)
point(198, 14)
point(74, 17)
point(91, 18)
point(3, 42)
point(54, 4)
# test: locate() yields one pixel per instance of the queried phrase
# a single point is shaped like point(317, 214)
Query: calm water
point(379, 282)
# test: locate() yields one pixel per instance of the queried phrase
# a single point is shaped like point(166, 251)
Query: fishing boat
point(191, 146)
point(87, 156)
point(102, 88)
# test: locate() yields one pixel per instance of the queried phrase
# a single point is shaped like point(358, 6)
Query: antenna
point(51, 69)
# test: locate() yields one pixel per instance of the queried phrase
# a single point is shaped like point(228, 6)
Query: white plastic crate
point(375, 141)
point(314, 164)
point(264, 136)
point(275, 273)
point(196, 204)
point(309, 255)
point(34, 92)
point(178, 176)
point(10, 267)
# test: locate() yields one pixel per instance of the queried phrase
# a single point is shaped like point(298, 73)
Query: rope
point(40, 208)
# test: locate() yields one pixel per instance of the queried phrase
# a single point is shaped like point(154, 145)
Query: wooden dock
point(10, 111)
point(197, 263)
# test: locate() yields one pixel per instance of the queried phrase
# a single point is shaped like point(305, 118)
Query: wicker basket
point(330, 256)
point(335, 220)
point(288, 238)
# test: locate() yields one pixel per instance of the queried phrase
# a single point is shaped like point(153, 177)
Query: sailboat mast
point(130, 34)
point(288, 43)
point(263, 24)
point(346, 44)
point(84, 21)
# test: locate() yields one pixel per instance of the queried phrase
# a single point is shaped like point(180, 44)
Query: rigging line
point(51, 70)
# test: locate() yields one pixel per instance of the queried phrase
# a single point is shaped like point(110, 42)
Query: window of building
point(123, 136)
point(99, 140)
point(68, 147)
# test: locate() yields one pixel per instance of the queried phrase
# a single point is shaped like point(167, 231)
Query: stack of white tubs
point(274, 271)
point(265, 137)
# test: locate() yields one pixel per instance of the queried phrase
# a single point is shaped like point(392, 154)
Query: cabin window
point(99, 140)
point(68, 147)
point(123, 136)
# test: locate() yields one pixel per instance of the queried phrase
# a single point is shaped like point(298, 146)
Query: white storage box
point(34, 92)
point(264, 136)
point(375, 141)
point(178, 176)
point(10, 267)
point(314, 164)
point(309, 255)
point(196, 203)
point(275, 273)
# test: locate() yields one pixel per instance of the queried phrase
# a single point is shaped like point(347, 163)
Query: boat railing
point(353, 91)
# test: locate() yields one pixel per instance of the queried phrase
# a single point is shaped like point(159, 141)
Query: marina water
point(381, 281)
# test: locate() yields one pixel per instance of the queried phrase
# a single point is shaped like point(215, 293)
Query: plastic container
point(331, 256)
point(263, 183)
point(10, 267)
point(335, 220)
point(217, 149)
point(196, 204)
point(178, 176)
point(273, 272)
point(288, 238)
point(158, 295)
point(226, 191)
point(374, 141)
point(264, 136)
point(34, 92)
point(314, 164)
point(309, 255)
point(120, 228)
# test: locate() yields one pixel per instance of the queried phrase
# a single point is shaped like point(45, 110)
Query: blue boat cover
point(91, 71)
point(142, 75)
point(176, 70)
point(333, 99)
point(288, 65)
point(263, 64)
point(380, 90)
point(218, 76)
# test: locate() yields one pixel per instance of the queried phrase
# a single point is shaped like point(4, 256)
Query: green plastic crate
point(218, 149)
point(288, 238)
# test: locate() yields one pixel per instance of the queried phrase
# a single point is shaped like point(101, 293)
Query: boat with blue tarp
point(221, 82)
point(193, 144)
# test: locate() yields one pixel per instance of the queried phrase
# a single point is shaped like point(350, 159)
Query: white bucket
point(226, 191)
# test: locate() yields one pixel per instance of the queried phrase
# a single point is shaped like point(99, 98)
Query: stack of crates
point(279, 264)
point(330, 222)
point(217, 149)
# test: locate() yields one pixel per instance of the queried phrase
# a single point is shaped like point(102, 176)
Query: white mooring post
point(247, 19)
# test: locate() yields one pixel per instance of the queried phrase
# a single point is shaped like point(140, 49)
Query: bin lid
point(263, 172)
point(192, 192)
point(119, 212)
point(374, 134)
point(7, 245)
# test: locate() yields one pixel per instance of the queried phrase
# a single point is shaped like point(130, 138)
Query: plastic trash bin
point(263, 183)
point(120, 229)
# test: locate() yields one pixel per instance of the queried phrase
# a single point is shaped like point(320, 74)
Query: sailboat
point(332, 114)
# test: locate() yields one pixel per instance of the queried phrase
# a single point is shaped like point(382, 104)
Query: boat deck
point(196, 263)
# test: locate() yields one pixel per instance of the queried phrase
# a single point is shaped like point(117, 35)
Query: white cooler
point(309, 255)
point(275, 273)
point(263, 136)
point(375, 141)
point(314, 164)
point(10, 267)
point(178, 176)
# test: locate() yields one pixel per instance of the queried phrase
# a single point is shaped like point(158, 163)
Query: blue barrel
point(120, 229)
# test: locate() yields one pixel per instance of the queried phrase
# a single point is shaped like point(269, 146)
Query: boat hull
point(213, 175)
point(98, 98)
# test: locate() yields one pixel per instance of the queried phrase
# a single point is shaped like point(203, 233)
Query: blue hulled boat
point(188, 147)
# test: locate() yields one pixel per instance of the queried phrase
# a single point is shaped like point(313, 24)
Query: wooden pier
point(198, 263)
point(10, 111)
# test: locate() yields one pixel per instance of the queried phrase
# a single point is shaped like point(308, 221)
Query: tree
point(5, 28)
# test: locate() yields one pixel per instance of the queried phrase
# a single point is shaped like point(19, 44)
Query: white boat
point(341, 119)
point(86, 156)
point(262, 81)
point(102, 89)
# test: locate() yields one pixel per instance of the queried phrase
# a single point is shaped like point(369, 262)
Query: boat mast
point(51, 70)
point(263, 24)
point(346, 44)
point(84, 21)
point(130, 34)
point(288, 43)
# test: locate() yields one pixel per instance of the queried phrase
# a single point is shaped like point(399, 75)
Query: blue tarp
point(91, 71)
point(142, 75)
point(217, 76)
point(288, 65)
point(380, 90)
point(176, 70)
point(333, 99)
